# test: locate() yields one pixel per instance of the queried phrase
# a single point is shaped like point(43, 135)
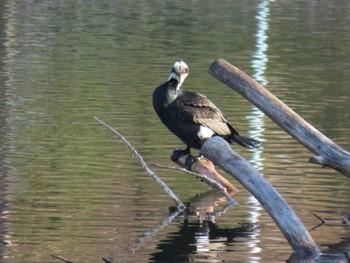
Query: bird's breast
point(205, 132)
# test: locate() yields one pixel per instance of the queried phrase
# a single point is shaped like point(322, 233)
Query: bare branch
point(139, 158)
point(318, 217)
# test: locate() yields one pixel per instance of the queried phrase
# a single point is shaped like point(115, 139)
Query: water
point(70, 188)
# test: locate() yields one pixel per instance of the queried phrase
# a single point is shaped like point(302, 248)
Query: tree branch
point(139, 158)
point(220, 152)
point(327, 153)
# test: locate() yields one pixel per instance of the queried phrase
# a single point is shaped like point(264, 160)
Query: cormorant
point(191, 116)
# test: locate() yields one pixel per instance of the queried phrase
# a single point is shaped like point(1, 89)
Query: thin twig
point(180, 205)
point(202, 177)
point(319, 218)
point(61, 258)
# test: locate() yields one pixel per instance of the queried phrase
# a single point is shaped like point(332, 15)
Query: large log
point(327, 153)
point(220, 152)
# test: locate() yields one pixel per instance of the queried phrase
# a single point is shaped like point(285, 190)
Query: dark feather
point(184, 113)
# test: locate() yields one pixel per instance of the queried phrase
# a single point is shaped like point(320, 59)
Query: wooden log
point(220, 152)
point(204, 167)
point(327, 153)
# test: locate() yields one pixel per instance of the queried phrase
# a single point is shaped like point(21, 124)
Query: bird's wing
point(204, 112)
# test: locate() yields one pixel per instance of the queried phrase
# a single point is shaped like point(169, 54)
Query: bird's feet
point(179, 153)
point(189, 159)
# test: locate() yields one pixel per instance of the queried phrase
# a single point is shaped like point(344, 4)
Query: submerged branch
point(139, 158)
point(322, 222)
point(343, 220)
point(61, 258)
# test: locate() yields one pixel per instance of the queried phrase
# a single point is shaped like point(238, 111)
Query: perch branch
point(201, 166)
point(139, 158)
point(203, 177)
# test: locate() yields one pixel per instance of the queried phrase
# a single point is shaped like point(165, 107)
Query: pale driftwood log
point(220, 152)
point(327, 153)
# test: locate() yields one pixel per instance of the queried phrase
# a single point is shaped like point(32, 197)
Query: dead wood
point(326, 152)
point(139, 158)
point(220, 153)
point(204, 169)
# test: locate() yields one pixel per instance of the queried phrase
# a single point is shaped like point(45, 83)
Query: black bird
point(191, 116)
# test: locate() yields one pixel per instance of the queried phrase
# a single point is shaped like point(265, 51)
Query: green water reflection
point(70, 188)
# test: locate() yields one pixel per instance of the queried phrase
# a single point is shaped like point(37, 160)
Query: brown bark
point(205, 167)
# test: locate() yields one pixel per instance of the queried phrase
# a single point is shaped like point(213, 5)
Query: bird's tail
point(247, 142)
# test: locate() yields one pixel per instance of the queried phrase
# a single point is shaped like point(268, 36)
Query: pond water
point(70, 188)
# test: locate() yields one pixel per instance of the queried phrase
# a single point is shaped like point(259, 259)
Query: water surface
point(70, 188)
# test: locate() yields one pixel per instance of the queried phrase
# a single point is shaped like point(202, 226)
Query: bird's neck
point(172, 90)
point(165, 94)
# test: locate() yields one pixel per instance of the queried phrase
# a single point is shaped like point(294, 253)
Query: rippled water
point(69, 187)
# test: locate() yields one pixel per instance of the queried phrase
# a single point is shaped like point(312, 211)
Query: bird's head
point(179, 72)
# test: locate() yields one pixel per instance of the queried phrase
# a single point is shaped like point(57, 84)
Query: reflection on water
point(69, 188)
point(202, 242)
